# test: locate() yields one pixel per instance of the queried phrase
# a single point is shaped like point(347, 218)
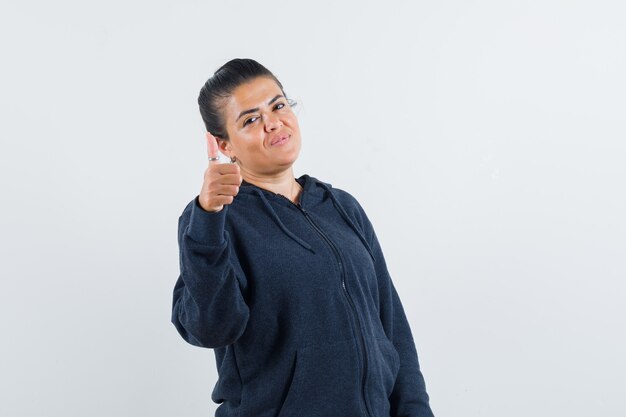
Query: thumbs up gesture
point(221, 181)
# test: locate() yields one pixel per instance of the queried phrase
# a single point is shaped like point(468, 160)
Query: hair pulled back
point(217, 90)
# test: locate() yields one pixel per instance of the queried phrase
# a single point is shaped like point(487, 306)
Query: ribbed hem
point(205, 226)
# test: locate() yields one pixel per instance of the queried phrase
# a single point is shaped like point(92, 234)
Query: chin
point(287, 162)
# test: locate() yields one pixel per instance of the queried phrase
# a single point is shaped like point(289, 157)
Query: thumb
point(212, 148)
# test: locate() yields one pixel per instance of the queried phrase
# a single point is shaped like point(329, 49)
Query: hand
point(221, 181)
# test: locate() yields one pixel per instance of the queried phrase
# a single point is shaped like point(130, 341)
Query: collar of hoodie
point(307, 182)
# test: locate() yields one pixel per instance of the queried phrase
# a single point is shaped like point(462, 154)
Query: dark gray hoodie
point(297, 303)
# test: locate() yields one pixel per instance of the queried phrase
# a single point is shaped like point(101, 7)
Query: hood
point(312, 188)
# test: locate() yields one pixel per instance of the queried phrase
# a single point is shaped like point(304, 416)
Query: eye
point(278, 106)
point(246, 122)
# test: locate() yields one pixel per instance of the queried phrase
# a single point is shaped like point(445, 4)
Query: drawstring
point(337, 206)
point(345, 216)
point(280, 223)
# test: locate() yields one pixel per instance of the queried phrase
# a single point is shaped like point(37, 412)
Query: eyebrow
point(243, 113)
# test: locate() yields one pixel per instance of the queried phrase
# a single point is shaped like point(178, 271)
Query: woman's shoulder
point(347, 198)
point(340, 193)
point(348, 201)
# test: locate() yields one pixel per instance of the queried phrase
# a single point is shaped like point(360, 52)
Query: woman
point(284, 277)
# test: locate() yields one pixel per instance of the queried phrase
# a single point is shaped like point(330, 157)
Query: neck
point(283, 183)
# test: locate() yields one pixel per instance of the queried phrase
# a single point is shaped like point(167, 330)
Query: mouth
point(280, 140)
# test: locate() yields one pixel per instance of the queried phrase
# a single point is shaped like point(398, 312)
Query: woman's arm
point(208, 307)
point(409, 397)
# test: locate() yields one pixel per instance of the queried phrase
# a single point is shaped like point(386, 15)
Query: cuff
point(205, 226)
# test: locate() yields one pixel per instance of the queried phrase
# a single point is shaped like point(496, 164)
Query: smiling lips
point(280, 140)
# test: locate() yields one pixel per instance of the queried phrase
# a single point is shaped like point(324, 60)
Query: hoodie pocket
point(388, 365)
point(326, 381)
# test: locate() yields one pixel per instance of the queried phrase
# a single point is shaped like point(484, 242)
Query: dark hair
point(220, 86)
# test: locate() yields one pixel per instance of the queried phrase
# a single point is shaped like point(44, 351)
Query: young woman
point(284, 277)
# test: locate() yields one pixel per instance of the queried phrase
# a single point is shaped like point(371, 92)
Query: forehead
point(255, 93)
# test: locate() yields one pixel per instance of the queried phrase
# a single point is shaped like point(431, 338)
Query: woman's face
point(257, 116)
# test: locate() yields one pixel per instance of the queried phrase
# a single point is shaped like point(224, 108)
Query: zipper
point(345, 293)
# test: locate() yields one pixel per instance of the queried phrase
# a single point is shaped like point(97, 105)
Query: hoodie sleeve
point(409, 397)
point(208, 307)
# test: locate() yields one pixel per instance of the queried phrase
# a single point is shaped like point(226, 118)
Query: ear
point(224, 146)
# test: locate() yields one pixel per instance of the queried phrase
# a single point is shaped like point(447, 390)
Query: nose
point(272, 122)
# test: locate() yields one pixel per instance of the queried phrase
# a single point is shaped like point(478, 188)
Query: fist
point(221, 181)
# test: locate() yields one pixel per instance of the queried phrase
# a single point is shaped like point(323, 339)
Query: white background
point(485, 139)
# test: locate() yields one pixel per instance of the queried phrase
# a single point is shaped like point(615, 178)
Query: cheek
point(292, 120)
